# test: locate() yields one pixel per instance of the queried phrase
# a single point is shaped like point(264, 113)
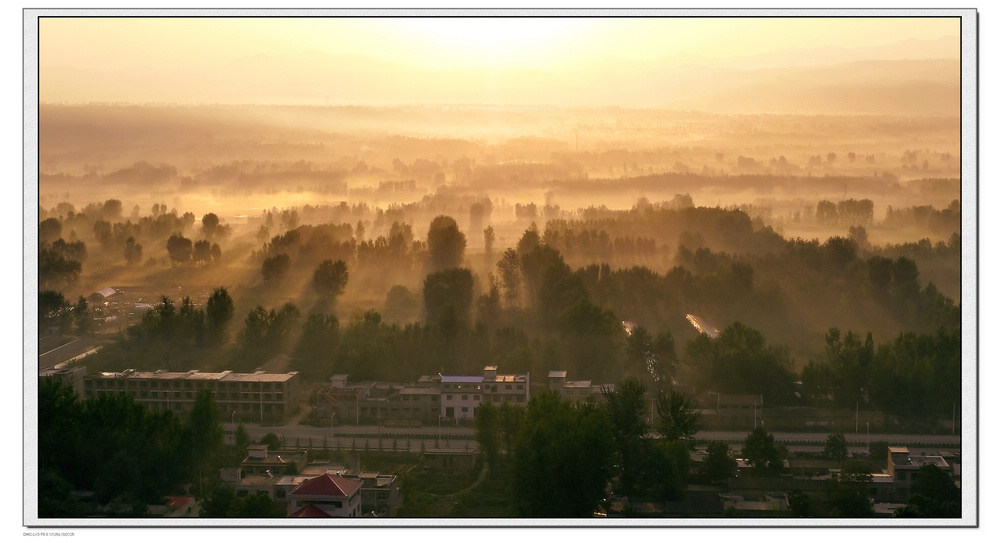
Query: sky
point(142, 58)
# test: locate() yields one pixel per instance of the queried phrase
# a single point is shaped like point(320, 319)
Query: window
point(465, 410)
point(449, 397)
point(465, 397)
point(520, 387)
point(476, 397)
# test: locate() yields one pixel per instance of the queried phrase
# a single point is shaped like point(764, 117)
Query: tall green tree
point(219, 312)
point(761, 453)
point(203, 433)
point(509, 271)
point(848, 493)
point(680, 418)
point(445, 244)
point(836, 446)
point(628, 414)
point(488, 432)
point(562, 458)
point(719, 464)
point(448, 293)
point(275, 267)
point(180, 248)
point(330, 279)
point(932, 495)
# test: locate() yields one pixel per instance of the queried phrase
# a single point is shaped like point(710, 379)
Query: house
point(576, 391)
point(903, 466)
point(379, 493)
point(326, 495)
point(261, 461)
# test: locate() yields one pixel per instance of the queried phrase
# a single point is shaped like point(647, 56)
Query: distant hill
point(916, 77)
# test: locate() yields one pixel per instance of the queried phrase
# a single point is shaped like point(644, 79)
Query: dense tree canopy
point(445, 244)
point(562, 458)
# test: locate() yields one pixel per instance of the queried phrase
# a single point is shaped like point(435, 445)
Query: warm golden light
point(137, 59)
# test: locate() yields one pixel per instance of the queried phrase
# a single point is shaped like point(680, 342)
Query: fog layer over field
point(601, 185)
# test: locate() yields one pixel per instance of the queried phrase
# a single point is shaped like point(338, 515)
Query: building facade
point(252, 397)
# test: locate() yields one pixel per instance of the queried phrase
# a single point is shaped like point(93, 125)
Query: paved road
point(464, 437)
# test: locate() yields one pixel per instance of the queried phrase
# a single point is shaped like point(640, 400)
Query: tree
point(49, 230)
point(209, 225)
point(739, 361)
point(56, 272)
point(445, 244)
point(53, 310)
point(664, 469)
point(509, 270)
point(932, 495)
point(488, 432)
point(314, 354)
point(848, 494)
point(836, 446)
point(562, 458)
point(218, 312)
point(719, 464)
point(330, 279)
point(242, 437)
point(204, 435)
point(133, 251)
point(628, 414)
point(489, 237)
point(202, 252)
point(878, 454)
point(180, 248)
point(639, 351)
point(273, 442)
point(448, 293)
point(275, 267)
point(488, 304)
point(680, 418)
point(761, 453)
point(81, 316)
point(400, 303)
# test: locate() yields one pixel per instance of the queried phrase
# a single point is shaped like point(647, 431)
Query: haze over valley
point(726, 206)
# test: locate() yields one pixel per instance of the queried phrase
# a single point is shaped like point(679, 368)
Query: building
point(326, 495)
point(256, 397)
point(740, 409)
point(577, 391)
point(460, 396)
point(380, 493)
point(903, 467)
point(71, 376)
point(261, 461)
point(430, 400)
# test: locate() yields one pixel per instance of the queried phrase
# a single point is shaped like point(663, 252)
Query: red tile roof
point(310, 511)
point(327, 485)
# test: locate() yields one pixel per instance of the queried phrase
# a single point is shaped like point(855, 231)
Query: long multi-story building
point(252, 397)
point(430, 400)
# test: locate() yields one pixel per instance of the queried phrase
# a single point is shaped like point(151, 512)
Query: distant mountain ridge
point(822, 80)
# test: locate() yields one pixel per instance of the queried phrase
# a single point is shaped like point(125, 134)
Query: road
point(416, 439)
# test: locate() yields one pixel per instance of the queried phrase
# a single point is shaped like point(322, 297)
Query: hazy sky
point(89, 55)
